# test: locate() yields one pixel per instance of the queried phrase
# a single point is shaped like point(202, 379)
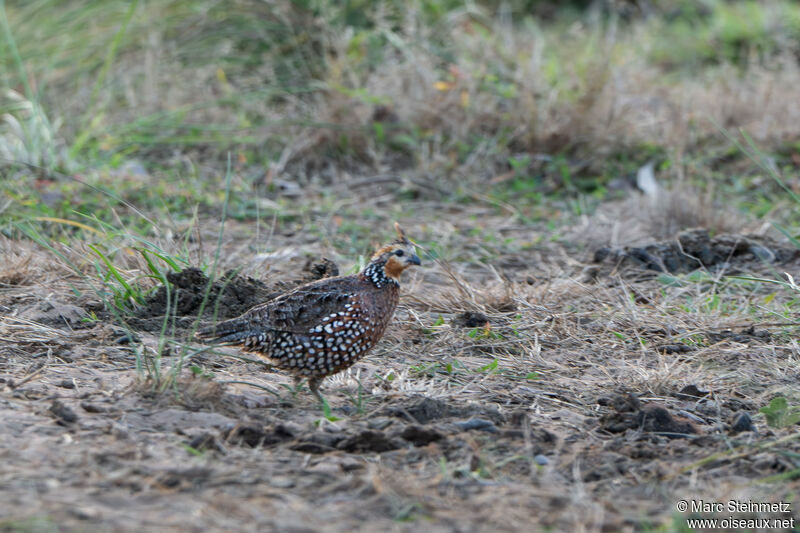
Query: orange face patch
point(394, 267)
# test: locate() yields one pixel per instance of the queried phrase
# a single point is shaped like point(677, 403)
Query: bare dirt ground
point(548, 387)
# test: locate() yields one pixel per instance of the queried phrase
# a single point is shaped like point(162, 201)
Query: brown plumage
point(323, 327)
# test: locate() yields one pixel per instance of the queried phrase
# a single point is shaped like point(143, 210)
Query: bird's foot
point(298, 386)
point(313, 384)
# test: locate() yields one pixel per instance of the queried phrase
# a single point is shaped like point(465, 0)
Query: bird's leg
point(313, 384)
point(298, 381)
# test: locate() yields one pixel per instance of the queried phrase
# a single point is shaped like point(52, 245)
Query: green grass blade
point(115, 273)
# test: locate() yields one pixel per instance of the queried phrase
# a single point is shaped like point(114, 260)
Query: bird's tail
point(230, 331)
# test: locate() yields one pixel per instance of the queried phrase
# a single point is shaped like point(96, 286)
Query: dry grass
point(554, 353)
point(546, 411)
point(455, 99)
point(604, 99)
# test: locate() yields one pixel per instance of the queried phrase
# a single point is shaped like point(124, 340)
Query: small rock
point(67, 384)
point(334, 427)
point(622, 403)
point(289, 428)
point(658, 420)
point(675, 348)
point(281, 482)
point(336, 464)
point(128, 338)
point(421, 435)
point(741, 422)
point(470, 320)
point(83, 512)
point(601, 254)
point(589, 273)
point(204, 441)
point(94, 305)
point(90, 407)
point(693, 391)
point(477, 423)
point(248, 435)
point(64, 414)
point(369, 441)
point(379, 423)
point(318, 442)
point(762, 252)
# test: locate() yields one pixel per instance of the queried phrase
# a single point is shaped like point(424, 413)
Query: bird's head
point(391, 260)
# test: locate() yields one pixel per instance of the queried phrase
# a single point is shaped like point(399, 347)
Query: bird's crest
point(401, 240)
point(401, 235)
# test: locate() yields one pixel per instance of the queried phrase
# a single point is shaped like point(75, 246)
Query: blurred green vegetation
point(736, 33)
point(111, 104)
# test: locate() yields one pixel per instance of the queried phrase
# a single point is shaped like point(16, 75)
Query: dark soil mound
point(629, 413)
point(227, 297)
point(694, 249)
point(231, 294)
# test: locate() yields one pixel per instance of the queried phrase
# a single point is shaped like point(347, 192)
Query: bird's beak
point(414, 260)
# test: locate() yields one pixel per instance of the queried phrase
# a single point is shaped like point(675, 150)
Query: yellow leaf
point(442, 85)
point(768, 298)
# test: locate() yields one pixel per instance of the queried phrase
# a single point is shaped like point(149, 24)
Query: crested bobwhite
point(323, 327)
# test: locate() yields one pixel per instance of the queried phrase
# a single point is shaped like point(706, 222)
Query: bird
point(326, 326)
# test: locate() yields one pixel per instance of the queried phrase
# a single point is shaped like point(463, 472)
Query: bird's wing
point(296, 311)
point(304, 308)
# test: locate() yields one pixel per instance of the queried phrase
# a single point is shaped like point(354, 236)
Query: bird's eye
point(399, 253)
